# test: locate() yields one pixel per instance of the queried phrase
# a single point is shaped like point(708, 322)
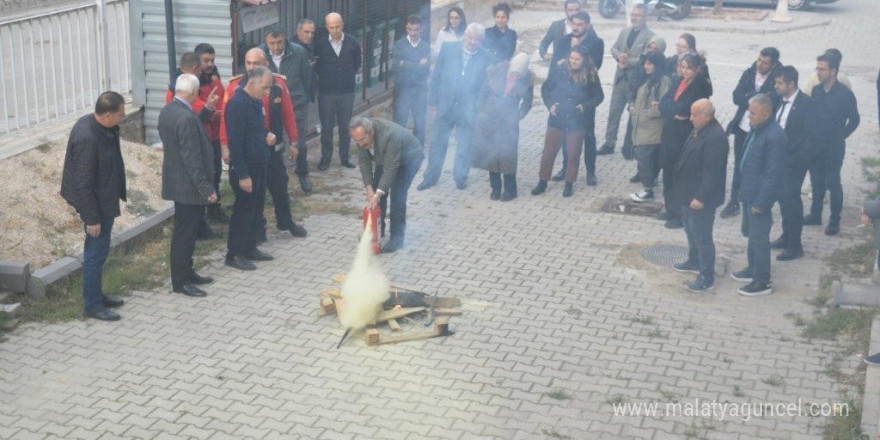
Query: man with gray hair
point(762, 168)
point(250, 144)
point(187, 171)
point(389, 157)
point(700, 190)
point(631, 42)
point(454, 90)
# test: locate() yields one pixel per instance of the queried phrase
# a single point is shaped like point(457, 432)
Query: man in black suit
point(796, 114)
point(559, 28)
point(338, 61)
point(454, 90)
point(703, 170)
point(389, 158)
point(758, 78)
point(187, 168)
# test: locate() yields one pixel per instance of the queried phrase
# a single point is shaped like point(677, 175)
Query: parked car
point(792, 4)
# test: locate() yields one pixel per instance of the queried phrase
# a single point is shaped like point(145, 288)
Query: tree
point(719, 7)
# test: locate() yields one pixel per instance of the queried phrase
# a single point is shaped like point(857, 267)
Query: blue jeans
point(757, 228)
point(698, 226)
point(412, 100)
point(443, 126)
point(95, 253)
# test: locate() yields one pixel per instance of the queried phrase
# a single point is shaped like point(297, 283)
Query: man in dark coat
point(763, 164)
point(93, 183)
point(250, 144)
point(389, 158)
point(559, 28)
point(702, 169)
point(455, 89)
point(412, 66)
point(339, 59)
point(756, 79)
point(796, 114)
point(837, 117)
point(187, 168)
point(292, 61)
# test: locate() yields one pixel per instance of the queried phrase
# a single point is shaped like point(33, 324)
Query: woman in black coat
point(571, 93)
point(500, 40)
point(685, 44)
point(691, 85)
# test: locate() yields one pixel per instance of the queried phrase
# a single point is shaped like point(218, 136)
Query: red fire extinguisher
point(372, 215)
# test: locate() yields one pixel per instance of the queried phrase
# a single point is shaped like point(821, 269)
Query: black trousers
point(698, 225)
point(739, 147)
point(246, 212)
point(335, 111)
point(825, 176)
point(792, 207)
point(218, 167)
point(302, 123)
point(398, 193)
point(183, 241)
point(276, 183)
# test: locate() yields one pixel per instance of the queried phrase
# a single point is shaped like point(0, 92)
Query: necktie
point(781, 111)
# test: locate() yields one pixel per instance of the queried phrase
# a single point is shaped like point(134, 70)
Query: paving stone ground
point(556, 297)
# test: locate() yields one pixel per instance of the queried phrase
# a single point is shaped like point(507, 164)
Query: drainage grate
point(665, 254)
point(618, 205)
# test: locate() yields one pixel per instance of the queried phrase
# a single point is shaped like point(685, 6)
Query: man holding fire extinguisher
point(389, 157)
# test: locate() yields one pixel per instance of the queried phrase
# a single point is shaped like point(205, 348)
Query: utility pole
point(719, 7)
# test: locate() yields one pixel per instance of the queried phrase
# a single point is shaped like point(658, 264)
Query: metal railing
point(55, 64)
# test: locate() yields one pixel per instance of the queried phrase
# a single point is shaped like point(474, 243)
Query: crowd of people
point(480, 87)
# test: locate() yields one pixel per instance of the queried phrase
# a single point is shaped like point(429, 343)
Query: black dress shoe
point(832, 229)
point(102, 314)
point(195, 278)
point(634, 179)
point(392, 246)
point(258, 255)
point(305, 184)
point(731, 210)
point(560, 176)
point(240, 263)
point(297, 230)
point(347, 163)
point(591, 180)
point(425, 185)
point(568, 190)
point(608, 148)
point(508, 196)
point(191, 290)
point(790, 254)
point(663, 215)
point(812, 221)
point(539, 188)
point(495, 194)
point(673, 223)
point(777, 244)
point(323, 165)
point(461, 184)
point(112, 302)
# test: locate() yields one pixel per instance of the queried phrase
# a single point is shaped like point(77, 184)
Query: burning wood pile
point(367, 298)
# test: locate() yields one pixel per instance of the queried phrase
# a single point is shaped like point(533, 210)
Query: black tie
point(781, 111)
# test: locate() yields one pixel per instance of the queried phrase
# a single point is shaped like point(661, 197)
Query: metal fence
point(56, 63)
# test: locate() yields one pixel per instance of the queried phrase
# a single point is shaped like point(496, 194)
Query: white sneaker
point(642, 196)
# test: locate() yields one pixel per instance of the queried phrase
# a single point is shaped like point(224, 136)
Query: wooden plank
point(447, 312)
point(398, 313)
point(327, 307)
point(441, 328)
point(394, 325)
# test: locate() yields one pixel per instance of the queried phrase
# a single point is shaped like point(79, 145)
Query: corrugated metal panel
point(195, 21)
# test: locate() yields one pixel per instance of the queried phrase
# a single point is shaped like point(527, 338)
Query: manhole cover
point(619, 205)
point(665, 254)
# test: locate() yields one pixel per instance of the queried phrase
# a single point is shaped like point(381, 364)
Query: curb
point(42, 278)
point(871, 398)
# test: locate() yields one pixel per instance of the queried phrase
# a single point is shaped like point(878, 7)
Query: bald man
point(338, 60)
point(703, 170)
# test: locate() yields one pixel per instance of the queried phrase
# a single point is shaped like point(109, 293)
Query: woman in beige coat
point(647, 124)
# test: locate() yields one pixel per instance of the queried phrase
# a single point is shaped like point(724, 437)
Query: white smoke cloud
point(365, 288)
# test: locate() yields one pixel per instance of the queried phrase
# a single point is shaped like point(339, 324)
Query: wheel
point(682, 11)
point(798, 5)
point(608, 8)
